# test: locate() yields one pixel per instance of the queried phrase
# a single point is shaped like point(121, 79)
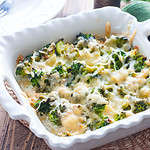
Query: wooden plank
point(102, 3)
point(14, 136)
point(17, 137)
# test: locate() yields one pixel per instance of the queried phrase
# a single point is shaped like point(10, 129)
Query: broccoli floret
point(35, 80)
point(85, 36)
point(110, 89)
point(47, 45)
point(126, 107)
point(111, 65)
point(92, 91)
point(98, 108)
point(20, 71)
point(121, 92)
point(60, 69)
point(55, 118)
point(29, 58)
point(140, 106)
point(102, 92)
point(127, 59)
point(45, 107)
point(62, 108)
point(99, 124)
point(120, 116)
point(122, 53)
point(75, 69)
point(138, 66)
point(105, 93)
point(120, 41)
point(47, 82)
point(140, 62)
point(91, 77)
point(118, 64)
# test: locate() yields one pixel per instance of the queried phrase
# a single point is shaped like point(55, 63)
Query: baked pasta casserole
point(86, 84)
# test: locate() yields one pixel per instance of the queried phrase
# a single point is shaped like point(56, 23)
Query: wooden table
point(15, 136)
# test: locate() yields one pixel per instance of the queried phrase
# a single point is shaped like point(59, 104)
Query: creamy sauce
point(85, 85)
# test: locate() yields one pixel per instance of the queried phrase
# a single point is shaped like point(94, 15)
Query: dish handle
point(144, 36)
point(14, 109)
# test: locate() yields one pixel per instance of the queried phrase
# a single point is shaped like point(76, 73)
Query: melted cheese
point(85, 85)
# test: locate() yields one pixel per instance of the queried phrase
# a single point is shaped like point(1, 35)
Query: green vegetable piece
point(126, 107)
point(140, 62)
point(75, 69)
point(35, 80)
point(127, 59)
point(47, 82)
point(111, 65)
point(121, 92)
point(92, 91)
point(120, 116)
point(120, 41)
point(59, 47)
point(91, 77)
point(118, 64)
point(62, 108)
point(37, 104)
point(60, 69)
point(47, 46)
point(102, 92)
point(85, 36)
point(45, 107)
point(109, 51)
point(20, 71)
point(29, 58)
point(55, 118)
point(140, 106)
point(110, 89)
point(138, 67)
point(99, 124)
point(98, 108)
point(122, 53)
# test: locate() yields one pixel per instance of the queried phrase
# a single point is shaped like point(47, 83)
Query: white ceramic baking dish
point(25, 41)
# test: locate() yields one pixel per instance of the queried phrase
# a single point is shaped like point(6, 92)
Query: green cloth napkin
point(138, 8)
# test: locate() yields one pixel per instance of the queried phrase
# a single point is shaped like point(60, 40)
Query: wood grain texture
point(102, 3)
point(15, 136)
